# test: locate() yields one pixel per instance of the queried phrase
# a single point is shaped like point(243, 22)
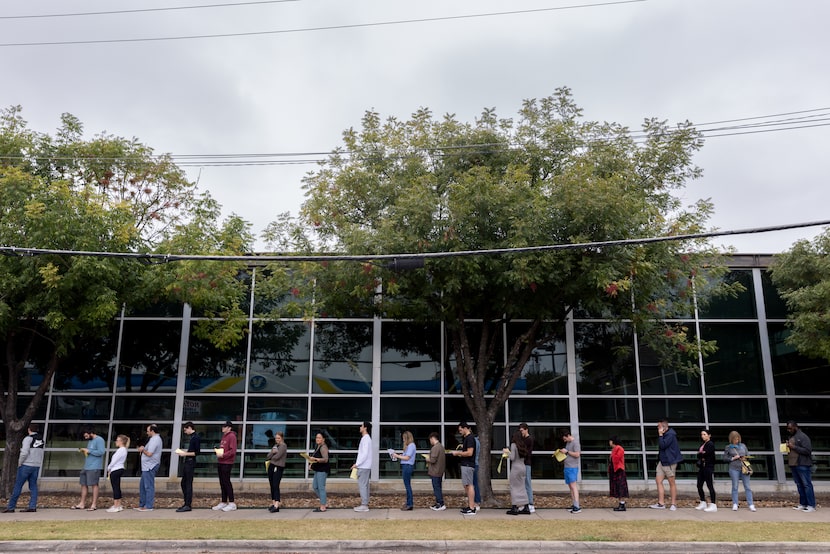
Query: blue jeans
point(25, 474)
point(736, 474)
point(147, 488)
point(477, 498)
point(528, 488)
point(406, 470)
point(803, 478)
point(318, 483)
point(438, 490)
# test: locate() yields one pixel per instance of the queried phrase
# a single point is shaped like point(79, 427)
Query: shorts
point(665, 472)
point(90, 477)
point(571, 475)
point(468, 475)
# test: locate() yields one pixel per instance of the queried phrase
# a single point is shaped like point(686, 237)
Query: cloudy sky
point(288, 77)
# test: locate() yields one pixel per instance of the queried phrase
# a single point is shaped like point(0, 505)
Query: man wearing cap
point(150, 461)
point(363, 464)
point(93, 464)
point(226, 456)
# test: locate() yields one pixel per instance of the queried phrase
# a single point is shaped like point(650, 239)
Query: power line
point(259, 258)
point(321, 28)
point(144, 10)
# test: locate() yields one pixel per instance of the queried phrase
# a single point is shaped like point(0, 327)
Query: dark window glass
point(341, 409)
point(279, 357)
point(608, 409)
point(410, 409)
point(774, 305)
point(149, 408)
point(676, 409)
point(495, 365)
point(455, 410)
point(23, 401)
point(410, 360)
point(538, 409)
point(656, 378)
point(257, 435)
point(277, 408)
point(343, 358)
point(756, 439)
point(149, 356)
point(546, 372)
point(749, 410)
point(546, 467)
point(90, 366)
point(338, 437)
point(803, 410)
point(793, 373)
point(605, 359)
point(740, 307)
point(71, 435)
point(81, 407)
point(595, 467)
point(213, 408)
point(170, 309)
point(736, 367)
point(596, 438)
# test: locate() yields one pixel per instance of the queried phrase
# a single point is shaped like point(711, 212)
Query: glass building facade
point(329, 375)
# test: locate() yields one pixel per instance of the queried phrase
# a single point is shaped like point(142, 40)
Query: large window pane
point(676, 409)
point(656, 378)
point(740, 307)
point(546, 372)
point(410, 360)
point(213, 408)
point(80, 407)
point(390, 437)
point(338, 437)
point(410, 409)
point(277, 408)
point(259, 435)
point(736, 367)
point(749, 410)
point(341, 409)
point(211, 369)
point(793, 373)
point(89, 366)
point(774, 305)
point(343, 358)
point(605, 359)
point(803, 410)
point(755, 438)
point(279, 357)
point(538, 409)
point(150, 408)
point(608, 409)
point(455, 411)
point(596, 438)
point(149, 356)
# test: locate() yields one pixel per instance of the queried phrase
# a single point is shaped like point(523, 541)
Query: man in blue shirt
point(93, 465)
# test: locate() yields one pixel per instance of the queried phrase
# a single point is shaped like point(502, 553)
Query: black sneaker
point(183, 509)
point(576, 510)
point(468, 512)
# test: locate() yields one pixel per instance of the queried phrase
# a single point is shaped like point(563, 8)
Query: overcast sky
point(288, 92)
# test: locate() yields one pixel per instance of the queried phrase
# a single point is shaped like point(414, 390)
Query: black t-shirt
point(194, 445)
point(469, 442)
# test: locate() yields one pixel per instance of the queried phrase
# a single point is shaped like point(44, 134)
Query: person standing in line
point(319, 461)
point(194, 447)
point(467, 463)
point(436, 466)
point(736, 453)
point(571, 469)
point(150, 463)
point(800, 460)
point(93, 464)
point(476, 489)
point(115, 469)
point(29, 462)
point(706, 472)
point(618, 481)
point(407, 459)
point(363, 464)
point(226, 457)
point(276, 467)
point(668, 457)
point(525, 430)
point(518, 490)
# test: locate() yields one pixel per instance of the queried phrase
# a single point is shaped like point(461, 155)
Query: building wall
point(330, 375)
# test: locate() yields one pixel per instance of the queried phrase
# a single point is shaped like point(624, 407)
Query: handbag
point(746, 467)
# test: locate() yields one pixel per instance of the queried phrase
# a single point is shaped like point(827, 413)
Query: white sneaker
point(701, 506)
point(230, 507)
point(477, 508)
point(711, 508)
point(220, 506)
point(734, 507)
point(672, 508)
point(808, 509)
point(531, 508)
point(361, 508)
point(657, 507)
point(799, 507)
point(752, 507)
point(114, 509)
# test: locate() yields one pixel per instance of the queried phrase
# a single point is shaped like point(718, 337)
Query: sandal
point(91, 509)
point(75, 507)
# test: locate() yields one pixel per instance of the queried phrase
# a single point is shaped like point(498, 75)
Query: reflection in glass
point(596, 438)
point(538, 409)
point(277, 408)
point(546, 371)
point(211, 369)
point(792, 372)
point(608, 409)
point(259, 435)
point(90, 366)
point(341, 409)
point(605, 358)
point(149, 356)
point(343, 358)
point(774, 305)
point(80, 407)
point(410, 360)
point(657, 379)
point(212, 408)
point(144, 407)
point(755, 438)
point(280, 357)
point(676, 409)
point(740, 307)
point(749, 410)
point(456, 410)
point(410, 409)
point(735, 368)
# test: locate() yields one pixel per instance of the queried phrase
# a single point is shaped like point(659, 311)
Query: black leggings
point(225, 482)
point(115, 483)
point(274, 478)
point(706, 475)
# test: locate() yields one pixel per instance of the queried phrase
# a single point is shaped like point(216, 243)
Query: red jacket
point(618, 457)
point(229, 444)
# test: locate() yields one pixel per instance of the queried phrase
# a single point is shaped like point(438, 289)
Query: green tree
point(802, 277)
point(107, 194)
point(548, 177)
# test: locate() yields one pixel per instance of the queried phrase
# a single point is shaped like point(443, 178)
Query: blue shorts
point(571, 475)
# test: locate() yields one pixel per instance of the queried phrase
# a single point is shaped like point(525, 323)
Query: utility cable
point(145, 10)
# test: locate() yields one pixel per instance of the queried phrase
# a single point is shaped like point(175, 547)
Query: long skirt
point(618, 484)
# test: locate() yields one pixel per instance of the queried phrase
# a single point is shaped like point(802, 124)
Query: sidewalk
point(100, 517)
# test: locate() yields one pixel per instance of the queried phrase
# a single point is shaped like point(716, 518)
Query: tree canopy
point(105, 194)
point(802, 277)
point(547, 177)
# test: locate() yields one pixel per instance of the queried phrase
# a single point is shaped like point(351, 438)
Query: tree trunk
point(484, 428)
point(15, 433)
